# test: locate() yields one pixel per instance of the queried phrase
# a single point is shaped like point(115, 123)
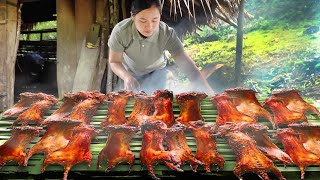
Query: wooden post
point(3, 55)
point(66, 46)
point(237, 74)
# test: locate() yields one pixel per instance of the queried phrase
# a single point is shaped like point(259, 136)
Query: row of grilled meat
point(68, 134)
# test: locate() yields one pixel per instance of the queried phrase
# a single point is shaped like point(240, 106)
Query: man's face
point(147, 21)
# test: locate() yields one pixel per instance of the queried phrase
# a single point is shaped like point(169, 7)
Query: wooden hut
point(83, 28)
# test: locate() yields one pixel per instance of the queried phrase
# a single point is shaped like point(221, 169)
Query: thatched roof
point(186, 15)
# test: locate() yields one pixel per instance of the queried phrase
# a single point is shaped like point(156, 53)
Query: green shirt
point(143, 55)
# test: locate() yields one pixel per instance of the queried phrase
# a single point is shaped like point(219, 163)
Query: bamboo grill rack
point(209, 113)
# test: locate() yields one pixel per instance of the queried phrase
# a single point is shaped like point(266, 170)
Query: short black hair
point(140, 5)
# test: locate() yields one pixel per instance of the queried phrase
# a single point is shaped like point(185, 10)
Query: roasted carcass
point(142, 109)
point(163, 107)
point(282, 115)
point(152, 150)
point(14, 149)
point(227, 111)
point(206, 145)
point(294, 102)
point(309, 136)
point(116, 107)
point(259, 133)
point(248, 157)
point(247, 103)
point(190, 104)
point(37, 110)
point(86, 109)
point(26, 99)
point(69, 101)
point(117, 147)
point(77, 150)
point(57, 136)
point(176, 142)
point(294, 148)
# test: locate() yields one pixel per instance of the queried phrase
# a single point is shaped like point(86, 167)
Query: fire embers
point(288, 107)
point(248, 157)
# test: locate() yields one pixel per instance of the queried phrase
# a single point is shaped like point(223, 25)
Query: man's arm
point(187, 66)
point(115, 62)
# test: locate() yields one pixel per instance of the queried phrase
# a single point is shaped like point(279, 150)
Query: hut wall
point(74, 19)
point(9, 39)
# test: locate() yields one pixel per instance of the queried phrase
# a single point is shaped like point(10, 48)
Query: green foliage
point(276, 51)
point(41, 26)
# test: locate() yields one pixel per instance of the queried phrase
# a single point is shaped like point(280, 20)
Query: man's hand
point(131, 83)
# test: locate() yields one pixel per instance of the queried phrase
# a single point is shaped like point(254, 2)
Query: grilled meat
point(294, 148)
point(152, 150)
point(177, 143)
point(227, 111)
point(57, 136)
point(116, 108)
point(309, 136)
point(247, 103)
point(37, 110)
point(282, 115)
point(190, 104)
point(26, 100)
point(248, 157)
point(142, 109)
point(206, 145)
point(117, 147)
point(77, 150)
point(14, 149)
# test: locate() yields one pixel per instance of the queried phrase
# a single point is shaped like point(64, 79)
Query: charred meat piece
point(163, 107)
point(294, 102)
point(227, 111)
point(77, 150)
point(294, 148)
point(152, 150)
point(177, 143)
point(14, 149)
point(116, 108)
point(117, 147)
point(259, 133)
point(190, 104)
point(309, 136)
point(57, 136)
point(86, 109)
point(248, 157)
point(26, 99)
point(206, 145)
point(282, 115)
point(36, 111)
point(142, 109)
point(247, 103)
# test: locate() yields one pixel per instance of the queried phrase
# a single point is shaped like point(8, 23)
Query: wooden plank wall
point(9, 40)
point(74, 19)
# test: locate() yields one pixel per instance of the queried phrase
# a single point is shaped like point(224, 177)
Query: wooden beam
point(3, 56)
point(66, 46)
